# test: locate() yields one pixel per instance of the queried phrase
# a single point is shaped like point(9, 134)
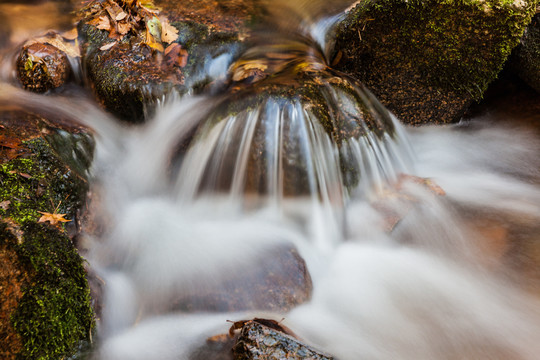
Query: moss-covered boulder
point(45, 310)
point(428, 60)
point(135, 52)
point(526, 59)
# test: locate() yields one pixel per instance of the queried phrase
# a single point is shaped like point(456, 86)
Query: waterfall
point(296, 173)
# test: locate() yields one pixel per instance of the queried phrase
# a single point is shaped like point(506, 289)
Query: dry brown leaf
point(70, 34)
point(104, 23)
point(71, 49)
point(123, 28)
point(182, 58)
point(108, 46)
point(120, 16)
point(175, 48)
point(10, 142)
point(168, 32)
point(53, 219)
point(4, 205)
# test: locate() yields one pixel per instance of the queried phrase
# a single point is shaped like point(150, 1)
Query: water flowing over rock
point(427, 61)
point(132, 61)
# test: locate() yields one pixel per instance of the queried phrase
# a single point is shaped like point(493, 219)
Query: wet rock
point(258, 341)
point(281, 92)
point(526, 59)
point(41, 67)
point(135, 59)
point(428, 61)
point(45, 307)
point(278, 282)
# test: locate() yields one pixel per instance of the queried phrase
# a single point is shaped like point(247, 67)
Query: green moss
point(457, 45)
point(39, 182)
point(54, 315)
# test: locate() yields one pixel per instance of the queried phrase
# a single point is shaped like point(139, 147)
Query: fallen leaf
point(182, 58)
point(108, 46)
point(151, 40)
point(70, 34)
point(168, 32)
point(124, 27)
point(153, 27)
point(53, 219)
point(10, 142)
point(120, 16)
point(71, 49)
point(174, 48)
point(4, 205)
point(104, 23)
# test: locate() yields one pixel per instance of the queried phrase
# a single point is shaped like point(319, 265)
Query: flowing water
point(421, 243)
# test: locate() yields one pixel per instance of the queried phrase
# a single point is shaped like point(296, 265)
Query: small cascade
point(292, 194)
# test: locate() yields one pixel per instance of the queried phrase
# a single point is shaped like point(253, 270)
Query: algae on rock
point(46, 309)
point(427, 61)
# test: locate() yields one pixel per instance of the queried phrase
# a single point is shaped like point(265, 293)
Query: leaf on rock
point(104, 23)
point(153, 26)
point(108, 46)
point(168, 32)
point(123, 28)
point(53, 219)
point(4, 205)
point(70, 34)
point(153, 34)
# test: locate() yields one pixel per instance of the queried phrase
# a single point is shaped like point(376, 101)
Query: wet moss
point(526, 60)
point(54, 315)
point(49, 300)
point(441, 54)
point(39, 182)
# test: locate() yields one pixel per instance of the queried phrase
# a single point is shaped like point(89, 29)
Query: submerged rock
point(427, 61)
point(526, 59)
point(45, 310)
point(279, 282)
point(134, 54)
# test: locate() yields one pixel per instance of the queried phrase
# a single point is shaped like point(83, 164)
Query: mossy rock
point(129, 77)
point(525, 61)
point(45, 311)
point(427, 61)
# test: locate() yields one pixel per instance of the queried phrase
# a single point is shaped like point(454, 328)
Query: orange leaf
point(53, 219)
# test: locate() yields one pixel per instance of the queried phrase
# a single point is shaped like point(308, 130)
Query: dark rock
point(428, 61)
point(41, 67)
point(279, 281)
point(526, 59)
point(132, 74)
point(258, 342)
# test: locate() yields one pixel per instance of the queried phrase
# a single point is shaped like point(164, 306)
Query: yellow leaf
point(53, 219)
point(168, 32)
point(152, 41)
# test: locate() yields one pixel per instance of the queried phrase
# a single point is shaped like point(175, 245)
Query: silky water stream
point(420, 243)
